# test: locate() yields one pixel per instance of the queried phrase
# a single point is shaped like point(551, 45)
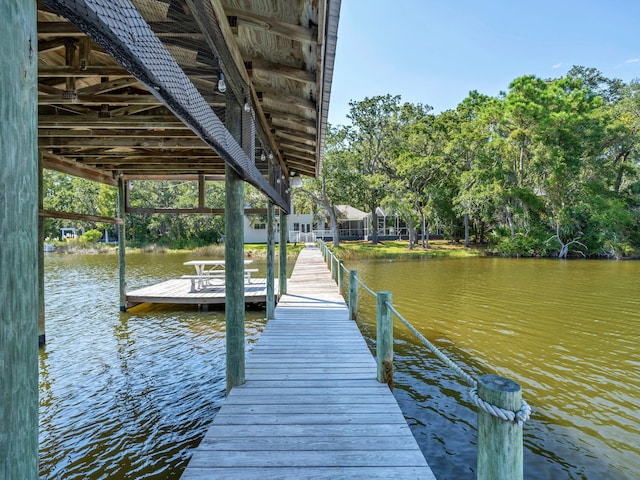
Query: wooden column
point(122, 244)
point(19, 234)
point(500, 454)
point(271, 268)
point(234, 257)
point(384, 339)
point(271, 253)
point(282, 270)
point(202, 190)
point(41, 319)
point(353, 294)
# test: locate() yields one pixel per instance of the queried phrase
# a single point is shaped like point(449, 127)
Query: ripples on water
point(566, 331)
point(128, 395)
point(125, 395)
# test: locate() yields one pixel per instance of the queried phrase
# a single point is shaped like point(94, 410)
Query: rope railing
point(363, 285)
point(501, 409)
point(519, 416)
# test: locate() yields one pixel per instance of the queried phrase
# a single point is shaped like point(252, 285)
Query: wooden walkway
point(178, 290)
point(311, 406)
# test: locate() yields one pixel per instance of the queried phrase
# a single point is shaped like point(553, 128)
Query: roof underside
point(112, 102)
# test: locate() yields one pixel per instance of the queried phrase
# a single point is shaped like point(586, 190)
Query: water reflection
point(125, 395)
point(128, 395)
point(564, 330)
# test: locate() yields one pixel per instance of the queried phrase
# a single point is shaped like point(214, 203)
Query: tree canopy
point(550, 167)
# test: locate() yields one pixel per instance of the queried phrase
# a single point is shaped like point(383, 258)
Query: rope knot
point(519, 416)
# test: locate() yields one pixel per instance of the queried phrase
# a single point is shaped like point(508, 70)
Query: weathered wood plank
point(355, 458)
point(319, 473)
point(311, 406)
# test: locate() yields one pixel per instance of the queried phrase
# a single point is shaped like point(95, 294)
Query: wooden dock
point(178, 291)
point(311, 406)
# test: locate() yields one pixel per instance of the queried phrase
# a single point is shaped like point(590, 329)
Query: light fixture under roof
point(222, 86)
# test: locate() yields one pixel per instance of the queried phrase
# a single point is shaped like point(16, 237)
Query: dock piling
point(384, 339)
point(353, 294)
point(19, 231)
point(500, 454)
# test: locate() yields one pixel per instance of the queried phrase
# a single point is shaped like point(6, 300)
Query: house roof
point(348, 212)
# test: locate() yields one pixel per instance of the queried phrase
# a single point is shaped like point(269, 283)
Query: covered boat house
point(117, 91)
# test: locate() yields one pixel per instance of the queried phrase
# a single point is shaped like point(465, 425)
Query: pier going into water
point(310, 405)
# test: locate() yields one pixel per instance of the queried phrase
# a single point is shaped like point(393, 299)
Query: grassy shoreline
point(400, 249)
point(251, 250)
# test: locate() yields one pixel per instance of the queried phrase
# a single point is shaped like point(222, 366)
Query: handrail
point(366, 288)
point(519, 416)
point(499, 401)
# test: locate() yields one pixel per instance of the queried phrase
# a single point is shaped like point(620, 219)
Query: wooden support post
point(353, 294)
point(234, 257)
point(271, 253)
point(202, 189)
point(282, 271)
point(41, 318)
point(384, 339)
point(19, 234)
point(271, 267)
point(122, 244)
point(499, 442)
point(332, 266)
point(341, 276)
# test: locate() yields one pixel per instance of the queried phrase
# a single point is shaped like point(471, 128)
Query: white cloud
point(557, 65)
point(633, 60)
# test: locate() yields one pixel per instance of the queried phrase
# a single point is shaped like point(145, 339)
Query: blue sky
point(435, 51)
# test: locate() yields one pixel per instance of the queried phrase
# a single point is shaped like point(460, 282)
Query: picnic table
point(208, 269)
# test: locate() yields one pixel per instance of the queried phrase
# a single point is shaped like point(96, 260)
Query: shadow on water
point(125, 395)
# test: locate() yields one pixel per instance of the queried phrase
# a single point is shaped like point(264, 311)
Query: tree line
point(548, 168)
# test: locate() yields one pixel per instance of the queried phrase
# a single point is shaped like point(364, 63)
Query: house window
point(296, 227)
point(260, 226)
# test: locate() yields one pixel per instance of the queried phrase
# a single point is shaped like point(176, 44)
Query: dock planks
point(311, 406)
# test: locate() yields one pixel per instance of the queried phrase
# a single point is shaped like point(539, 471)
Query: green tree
point(373, 137)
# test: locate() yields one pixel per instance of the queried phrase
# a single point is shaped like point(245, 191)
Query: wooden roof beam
point(64, 71)
point(70, 167)
point(97, 100)
point(296, 137)
point(267, 93)
point(258, 22)
point(100, 132)
point(285, 71)
point(212, 20)
point(115, 142)
point(135, 121)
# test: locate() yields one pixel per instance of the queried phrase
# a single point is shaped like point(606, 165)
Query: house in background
point(300, 228)
point(353, 224)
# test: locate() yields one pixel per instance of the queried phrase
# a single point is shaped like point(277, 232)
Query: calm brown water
point(128, 395)
point(567, 331)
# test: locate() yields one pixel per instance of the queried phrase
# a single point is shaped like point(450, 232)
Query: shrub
point(91, 236)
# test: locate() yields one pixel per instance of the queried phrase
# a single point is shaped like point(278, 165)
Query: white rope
point(519, 416)
point(366, 288)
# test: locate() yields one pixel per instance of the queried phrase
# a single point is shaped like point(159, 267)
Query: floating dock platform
point(178, 291)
